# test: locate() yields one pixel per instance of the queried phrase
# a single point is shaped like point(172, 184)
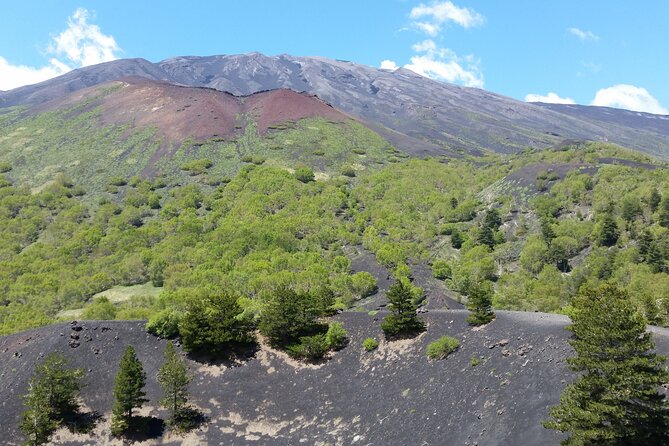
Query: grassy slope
point(74, 142)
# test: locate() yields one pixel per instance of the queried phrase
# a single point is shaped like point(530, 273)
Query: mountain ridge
point(409, 109)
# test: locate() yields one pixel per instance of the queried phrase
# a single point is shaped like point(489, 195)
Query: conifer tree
point(212, 324)
point(128, 391)
point(664, 213)
point(174, 378)
point(615, 400)
point(39, 421)
point(654, 199)
point(403, 318)
point(479, 302)
point(608, 235)
point(52, 396)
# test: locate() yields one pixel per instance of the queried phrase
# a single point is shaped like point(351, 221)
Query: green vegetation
point(480, 303)
point(616, 399)
point(149, 246)
point(174, 378)
point(442, 347)
point(403, 319)
point(52, 397)
point(213, 323)
point(128, 392)
point(370, 344)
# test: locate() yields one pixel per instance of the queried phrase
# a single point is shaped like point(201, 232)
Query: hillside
point(155, 129)
point(393, 396)
point(416, 114)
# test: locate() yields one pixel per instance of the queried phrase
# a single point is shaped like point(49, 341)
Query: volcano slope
point(494, 390)
point(139, 127)
point(418, 115)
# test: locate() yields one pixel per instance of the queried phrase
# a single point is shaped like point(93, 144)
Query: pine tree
point(62, 383)
point(654, 199)
point(664, 213)
point(608, 235)
point(479, 302)
point(52, 396)
point(486, 236)
point(615, 400)
point(39, 421)
point(212, 324)
point(128, 391)
point(403, 318)
point(174, 378)
point(547, 230)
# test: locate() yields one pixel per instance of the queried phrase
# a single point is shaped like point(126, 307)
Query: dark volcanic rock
point(417, 114)
point(393, 396)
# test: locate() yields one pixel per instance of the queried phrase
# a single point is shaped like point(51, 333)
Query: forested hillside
point(537, 225)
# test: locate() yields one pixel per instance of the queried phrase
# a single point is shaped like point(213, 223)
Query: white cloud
point(444, 65)
point(389, 65)
point(430, 18)
point(629, 97)
point(13, 76)
point(550, 98)
point(583, 35)
point(80, 45)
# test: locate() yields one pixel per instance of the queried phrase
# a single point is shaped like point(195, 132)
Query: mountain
point(150, 128)
point(416, 114)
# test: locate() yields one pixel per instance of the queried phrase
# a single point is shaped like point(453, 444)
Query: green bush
point(336, 336)
point(348, 171)
point(304, 174)
point(196, 167)
point(370, 344)
point(363, 284)
point(442, 347)
point(441, 269)
point(164, 324)
point(309, 347)
point(100, 309)
point(5, 167)
point(117, 181)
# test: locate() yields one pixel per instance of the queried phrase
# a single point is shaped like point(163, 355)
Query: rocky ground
point(494, 390)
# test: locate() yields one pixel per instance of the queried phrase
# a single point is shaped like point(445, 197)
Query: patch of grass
point(442, 347)
point(370, 344)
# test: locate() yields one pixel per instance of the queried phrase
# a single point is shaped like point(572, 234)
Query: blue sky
point(610, 53)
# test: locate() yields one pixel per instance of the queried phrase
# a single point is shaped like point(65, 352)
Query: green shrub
point(196, 167)
point(363, 284)
point(247, 159)
point(336, 336)
point(370, 344)
point(304, 174)
point(5, 167)
point(100, 309)
point(258, 159)
point(441, 269)
point(348, 171)
point(164, 324)
point(442, 347)
point(117, 181)
point(359, 151)
point(309, 347)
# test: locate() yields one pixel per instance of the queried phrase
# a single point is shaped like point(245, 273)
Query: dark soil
point(392, 396)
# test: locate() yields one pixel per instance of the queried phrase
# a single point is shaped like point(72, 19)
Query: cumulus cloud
point(583, 35)
point(629, 97)
point(430, 18)
point(80, 45)
point(389, 65)
point(83, 43)
point(444, 65)
point(550, 98)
